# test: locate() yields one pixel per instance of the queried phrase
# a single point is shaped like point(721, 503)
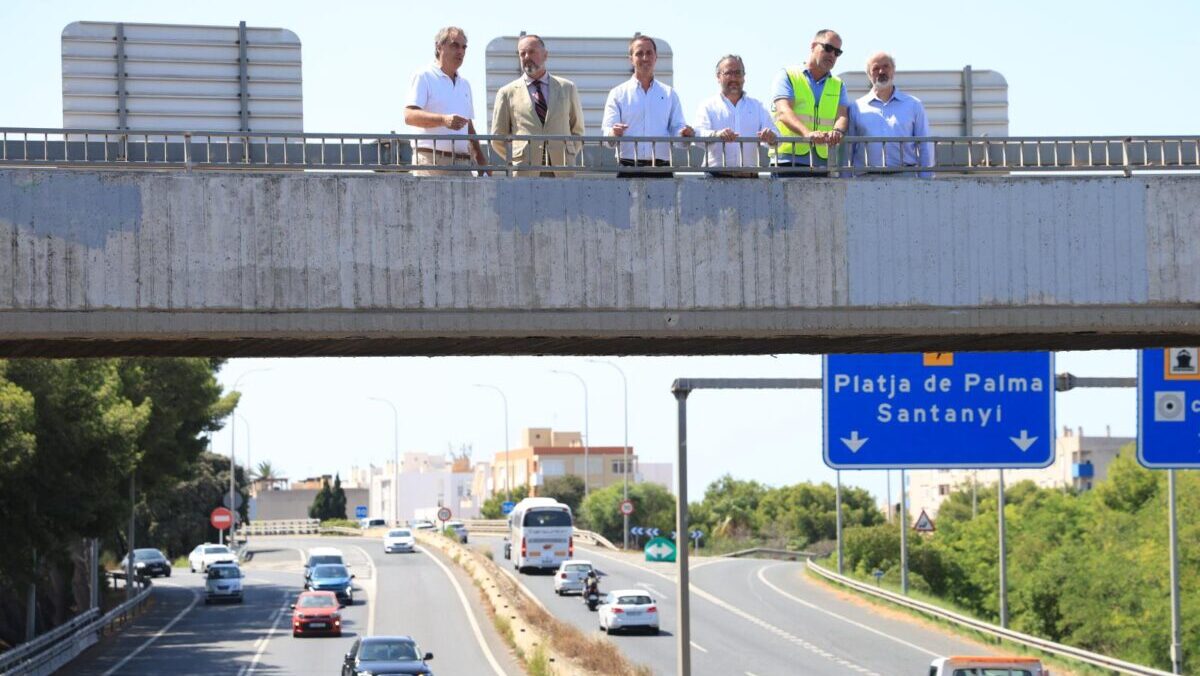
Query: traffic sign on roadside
point(626, 507)
point(221, 518)
point(637, 530)
point(1169, 408)
point(506, 507)
point(653, 532)
point(696, 535)
point(943, 410)
point(924, 524)
point(660, 549)
point(360, 512)
point(443, 514)
point(237, 501)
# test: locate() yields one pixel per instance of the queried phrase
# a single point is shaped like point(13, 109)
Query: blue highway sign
point(360, 512)
point(1169, 408)
point(506, 507)
point(939, 410)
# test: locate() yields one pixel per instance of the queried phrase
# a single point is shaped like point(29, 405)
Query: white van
point(541, 534)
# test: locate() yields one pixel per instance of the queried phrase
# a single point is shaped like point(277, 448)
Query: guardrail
point(992, 630)
point(340, 530)
point(500, 527)
point(281, 527)
point(50, 651)
point(776, 553)
point(200, 150)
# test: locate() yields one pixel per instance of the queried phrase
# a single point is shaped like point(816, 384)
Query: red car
point(316, 612)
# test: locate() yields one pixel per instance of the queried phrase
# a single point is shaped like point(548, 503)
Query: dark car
point(385, 655)
point(334, 578)
point(148, 563)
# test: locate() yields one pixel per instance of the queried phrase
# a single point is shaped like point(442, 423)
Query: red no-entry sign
point(221, 518)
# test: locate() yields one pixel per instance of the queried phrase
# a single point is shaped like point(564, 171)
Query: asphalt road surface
point(420, 594)
point(753, 617)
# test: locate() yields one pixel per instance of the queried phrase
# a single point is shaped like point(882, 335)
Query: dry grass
point(593, 654)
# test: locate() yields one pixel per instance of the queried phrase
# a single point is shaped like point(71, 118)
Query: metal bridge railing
point(50, 651)
point(589, 155)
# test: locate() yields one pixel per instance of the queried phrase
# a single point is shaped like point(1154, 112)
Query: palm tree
point(265, 472)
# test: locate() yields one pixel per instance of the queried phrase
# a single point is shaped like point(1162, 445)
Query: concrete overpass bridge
point(205, 258)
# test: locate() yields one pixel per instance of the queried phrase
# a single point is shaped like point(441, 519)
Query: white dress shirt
point(746, 118)
point(648, 112)
point(435, 92)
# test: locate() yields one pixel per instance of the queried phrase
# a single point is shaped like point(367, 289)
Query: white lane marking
point(796, 640)
point(659, 595)
point(751, 673)
point(462, 598)
point(261, 646)
point(762, 577)
point(158, 634)
point(371, 589)
point(697, 647)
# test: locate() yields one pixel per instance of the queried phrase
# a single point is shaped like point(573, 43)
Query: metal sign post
point(903, 533)
point(1168, 411)
point(1003, 557)
point(837, 499)
point(683, 617)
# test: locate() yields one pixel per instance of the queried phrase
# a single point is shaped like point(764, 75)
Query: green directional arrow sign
point(660, 549)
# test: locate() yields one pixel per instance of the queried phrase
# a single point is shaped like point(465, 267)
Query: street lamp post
point(232, 465)
point(587, 439)
point(249, 467)
point(395, 460)
point(507, 464)
point(625, 449)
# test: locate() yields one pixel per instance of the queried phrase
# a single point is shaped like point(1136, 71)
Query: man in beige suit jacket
point(538, 103)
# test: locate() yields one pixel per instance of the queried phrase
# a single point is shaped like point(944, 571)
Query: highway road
point(420, 594)
point(754, 617)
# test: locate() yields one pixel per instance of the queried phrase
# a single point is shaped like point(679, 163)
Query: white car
point(627, 609)
point(208, 554)
point(223, 583)
point(398, 540)
point(570, 574)
point(1009, 666)
point(318, 556)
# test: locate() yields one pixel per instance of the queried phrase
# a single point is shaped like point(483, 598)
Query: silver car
point(627, 609)
point(223, 583)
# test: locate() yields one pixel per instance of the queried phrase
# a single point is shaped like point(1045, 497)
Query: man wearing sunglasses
point(810, 108)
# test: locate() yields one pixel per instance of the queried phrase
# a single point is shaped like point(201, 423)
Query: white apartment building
point(425, 482)
point(1079, 463)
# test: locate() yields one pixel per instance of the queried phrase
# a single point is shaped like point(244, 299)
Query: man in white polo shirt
point(729, 115)
point(439, 102)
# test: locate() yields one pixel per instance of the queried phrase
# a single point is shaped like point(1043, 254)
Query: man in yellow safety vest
point(810, 108)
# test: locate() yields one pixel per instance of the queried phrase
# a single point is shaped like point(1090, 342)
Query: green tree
point(337, 499)
point(567, 489)
point(493, 507)
point(322, 504)
point(729, 507)
point(653, 507)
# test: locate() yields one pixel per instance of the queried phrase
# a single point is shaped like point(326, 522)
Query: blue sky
point(1072, 68)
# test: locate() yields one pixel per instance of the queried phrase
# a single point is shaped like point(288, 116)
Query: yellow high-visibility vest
point(818, 116)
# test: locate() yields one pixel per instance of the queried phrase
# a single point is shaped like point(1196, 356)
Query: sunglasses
point(830, 49)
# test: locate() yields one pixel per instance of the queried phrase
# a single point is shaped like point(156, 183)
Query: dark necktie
point(539, 101)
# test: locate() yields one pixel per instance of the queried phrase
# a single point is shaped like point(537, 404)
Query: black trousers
point(644, 163)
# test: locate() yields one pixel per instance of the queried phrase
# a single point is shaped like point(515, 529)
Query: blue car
point(332, 577)
point(385, 655)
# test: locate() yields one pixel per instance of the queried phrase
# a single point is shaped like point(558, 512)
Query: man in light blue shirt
point(643, 106)
point(887, 111)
